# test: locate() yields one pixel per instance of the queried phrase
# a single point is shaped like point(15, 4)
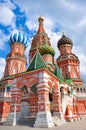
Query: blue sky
point(59, 15)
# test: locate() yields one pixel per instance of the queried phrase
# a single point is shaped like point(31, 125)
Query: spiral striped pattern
point(18, 37)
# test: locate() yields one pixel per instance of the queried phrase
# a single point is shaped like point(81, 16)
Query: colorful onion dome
point(64, 40)
point(46, 49)
point(19, 38)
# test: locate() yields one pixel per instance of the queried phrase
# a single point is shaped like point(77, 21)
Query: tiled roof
point(58, 73)
point(36, 63)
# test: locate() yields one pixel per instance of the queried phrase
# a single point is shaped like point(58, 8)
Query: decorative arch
point(27, 81)
point(53, 85)
point(24, 89)
point(34, 89)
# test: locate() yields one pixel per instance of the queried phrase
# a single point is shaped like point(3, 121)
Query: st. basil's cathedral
point(49, 90)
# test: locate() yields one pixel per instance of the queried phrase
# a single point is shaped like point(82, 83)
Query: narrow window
point(8, 89)
point(66, 75)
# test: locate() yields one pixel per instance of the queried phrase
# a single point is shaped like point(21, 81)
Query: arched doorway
point(51, 103)
point(25, 109)
point(24, 106)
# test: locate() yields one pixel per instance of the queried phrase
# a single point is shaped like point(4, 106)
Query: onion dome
point(46, 49)
point(64, 40)
point(19, 38)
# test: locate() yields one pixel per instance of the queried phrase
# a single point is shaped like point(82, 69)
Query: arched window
point(50, 97)
point(84, 90)
point(24, 90)
point(66, 75)
point(77, 89)
point(8, 89)
point(80, 89)
point(62, 92)
point(34, 89)
point(0, 89)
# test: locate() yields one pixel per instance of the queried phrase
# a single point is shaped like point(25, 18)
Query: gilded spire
point(40, 19)
point(41, 28)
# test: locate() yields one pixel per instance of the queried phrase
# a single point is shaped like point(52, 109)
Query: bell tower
point(68, 61)
point(15, 60)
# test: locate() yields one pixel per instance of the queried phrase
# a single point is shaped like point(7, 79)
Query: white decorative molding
point(44, 120)
point(43, 89)
point(46, 75)
point(77, 68)
point(69, 68)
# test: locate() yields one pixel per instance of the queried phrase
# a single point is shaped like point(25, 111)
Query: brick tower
point(15, 60)
point(15, 64)
point(42, 42)
point(68, 61)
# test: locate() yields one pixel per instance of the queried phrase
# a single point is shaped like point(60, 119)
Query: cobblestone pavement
point(79, 125)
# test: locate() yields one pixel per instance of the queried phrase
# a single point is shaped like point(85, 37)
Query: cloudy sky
point(59, 15)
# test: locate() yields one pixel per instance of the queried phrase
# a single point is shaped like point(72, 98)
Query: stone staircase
point(28, 121)
point(9, 121)
point(58, 121)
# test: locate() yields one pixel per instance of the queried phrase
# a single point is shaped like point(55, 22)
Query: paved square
point(79, 125)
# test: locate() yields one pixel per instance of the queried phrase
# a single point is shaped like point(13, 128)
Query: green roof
point(46, 49)
point(49, 63)
point(8, 85)
point(36, 62)
point(69, 81)
point(58, 73)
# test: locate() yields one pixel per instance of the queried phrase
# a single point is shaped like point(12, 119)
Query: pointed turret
point(36, 62)
point(39, 39)
point(42, 42)
point(41, 28)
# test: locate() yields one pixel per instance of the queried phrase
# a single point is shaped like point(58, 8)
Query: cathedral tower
point(41, 41)
point(67, 61)
point(15, 60)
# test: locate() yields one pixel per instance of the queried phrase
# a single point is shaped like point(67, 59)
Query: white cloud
point(2, 66)
point(3, 39)
point(68, 5)
point(7, 16)
point(31, 25)
point(82, 22)
point(9, 4)
point(82, 63)
point(54, 36)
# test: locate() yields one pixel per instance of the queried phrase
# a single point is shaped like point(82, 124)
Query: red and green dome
point(64, 40)
point(46, 49)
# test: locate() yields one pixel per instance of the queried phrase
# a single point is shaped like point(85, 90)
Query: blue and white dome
point(18, 37)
